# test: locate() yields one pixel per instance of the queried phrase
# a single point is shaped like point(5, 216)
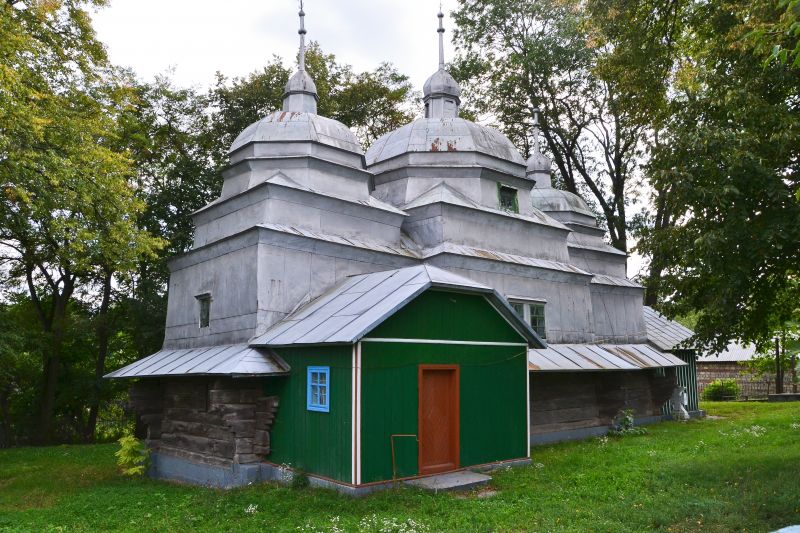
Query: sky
point(196, 38)
point(200, 37)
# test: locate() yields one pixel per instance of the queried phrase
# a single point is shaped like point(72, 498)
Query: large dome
point(288, 126)
point(443, 135)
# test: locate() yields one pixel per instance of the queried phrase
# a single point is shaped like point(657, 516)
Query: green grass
point(710, 475)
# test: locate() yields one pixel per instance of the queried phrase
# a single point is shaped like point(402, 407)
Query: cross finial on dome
point(300, 94)
point(441, 93)
point(441, 37)
point(302, 32)
point(539, 165)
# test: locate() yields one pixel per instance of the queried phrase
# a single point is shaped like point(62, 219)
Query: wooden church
point(431, 305)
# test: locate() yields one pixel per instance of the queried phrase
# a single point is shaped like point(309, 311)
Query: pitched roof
point(664, 333)
point(227, 360)
point(734, 353)
point(588, 357)
point(355, 307)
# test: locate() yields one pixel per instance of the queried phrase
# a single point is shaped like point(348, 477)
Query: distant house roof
point(593, 357)
point(355, 307)
point(734, 353)
point(663, 333)
point(237, 360)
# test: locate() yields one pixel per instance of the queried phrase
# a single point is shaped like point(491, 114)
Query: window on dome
point(508, 198)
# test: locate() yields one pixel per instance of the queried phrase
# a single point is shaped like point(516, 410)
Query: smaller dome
point(538, 162)
point(441, 83)
point(301, 82)
point(556, 200)
point(283, 126)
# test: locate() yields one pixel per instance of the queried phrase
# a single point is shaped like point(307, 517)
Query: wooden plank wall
point(217, 421)
point(562, 401)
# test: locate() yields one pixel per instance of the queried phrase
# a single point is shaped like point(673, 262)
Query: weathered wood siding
point(216, 421)
point(562, 401)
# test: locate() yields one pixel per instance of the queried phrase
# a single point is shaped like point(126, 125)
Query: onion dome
point(298, 122)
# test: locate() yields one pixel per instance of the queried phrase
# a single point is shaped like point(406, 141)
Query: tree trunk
point(778, 367)
point(102, 354)
point(52, 367)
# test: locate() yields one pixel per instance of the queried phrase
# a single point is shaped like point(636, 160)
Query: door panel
point(438, 418)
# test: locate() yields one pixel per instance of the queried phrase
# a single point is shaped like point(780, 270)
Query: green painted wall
point(448, 315)
point(493, 383)
point(318, 443)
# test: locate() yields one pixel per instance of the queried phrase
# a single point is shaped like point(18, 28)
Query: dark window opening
point(508, 198)
point(537, 319)
point(204, 300)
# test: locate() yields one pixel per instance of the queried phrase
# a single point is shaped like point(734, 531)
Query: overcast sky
point(199, 37)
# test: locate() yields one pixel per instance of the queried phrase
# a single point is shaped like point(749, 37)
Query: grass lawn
point(740, 473)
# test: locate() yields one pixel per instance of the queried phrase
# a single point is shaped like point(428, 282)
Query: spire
point(539, 165)
point(300, 94)
point(302, 33)
point(441, 92)
point(441, 37)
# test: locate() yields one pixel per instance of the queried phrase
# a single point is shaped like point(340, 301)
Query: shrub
point(133, 456)
point(721, 389)
point(623, 425)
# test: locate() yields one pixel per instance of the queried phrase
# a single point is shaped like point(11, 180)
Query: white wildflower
point(251, 509)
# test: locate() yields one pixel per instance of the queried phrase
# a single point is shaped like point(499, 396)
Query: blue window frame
point(318, 397)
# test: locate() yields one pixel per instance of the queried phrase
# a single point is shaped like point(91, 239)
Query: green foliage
point(519, 55)
point(624, 424)
point(739, 478)
point(299, 480)
point(721, 389)
point(133, 457)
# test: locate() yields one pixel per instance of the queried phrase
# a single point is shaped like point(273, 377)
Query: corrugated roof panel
point(735, 352)
point(664, 333)
point(227, 360)
point(594, 357)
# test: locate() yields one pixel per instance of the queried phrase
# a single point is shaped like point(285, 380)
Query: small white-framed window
point(532, 312)
point(204, 304)
point(318, 391)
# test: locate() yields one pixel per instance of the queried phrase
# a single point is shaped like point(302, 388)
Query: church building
point(428, 306)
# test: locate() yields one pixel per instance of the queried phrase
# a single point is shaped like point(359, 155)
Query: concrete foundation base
point(179, 469)
point(452, 481)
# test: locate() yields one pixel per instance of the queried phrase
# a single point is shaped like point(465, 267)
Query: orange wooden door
point(438, 418)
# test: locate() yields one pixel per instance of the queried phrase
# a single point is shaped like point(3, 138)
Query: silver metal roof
point(469, 251)
point(452, 134)
point(595, 357)
point(444, 193)
point(663, 333)
point(603, 279)
point(735, 353)
point(404, 248)
point(361, 303)
point(554, 200)
point(283, 126)
point(238, 360)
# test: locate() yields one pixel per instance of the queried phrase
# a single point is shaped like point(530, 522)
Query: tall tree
point(730, 157)
point(517, 56)
point(65, 197)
